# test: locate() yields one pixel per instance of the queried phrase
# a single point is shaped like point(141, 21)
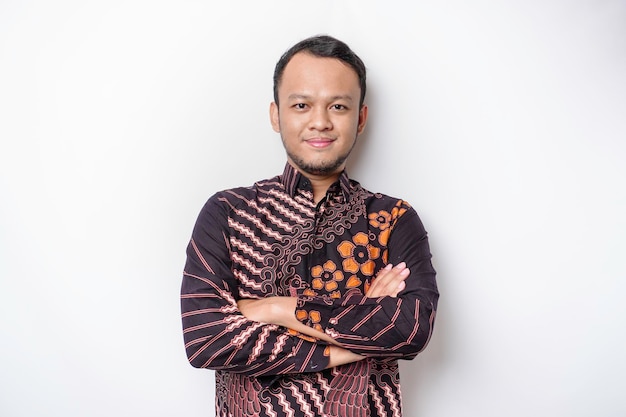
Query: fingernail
point(388, 267)
point(401, 265)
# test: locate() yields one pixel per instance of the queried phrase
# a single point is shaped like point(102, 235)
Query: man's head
point(323, 47)
point(321, 110)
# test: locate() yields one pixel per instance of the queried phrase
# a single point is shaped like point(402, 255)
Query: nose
point(320, 119)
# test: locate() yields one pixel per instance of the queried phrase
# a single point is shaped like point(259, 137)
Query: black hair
point(322, 46)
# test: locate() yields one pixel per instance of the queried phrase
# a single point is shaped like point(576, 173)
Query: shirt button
point(333, 321)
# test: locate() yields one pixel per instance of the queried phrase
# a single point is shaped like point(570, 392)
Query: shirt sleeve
point(217, 336)
point(388, 327)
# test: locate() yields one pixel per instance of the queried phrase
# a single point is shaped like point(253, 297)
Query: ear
point(362, 119)
point(274, 119)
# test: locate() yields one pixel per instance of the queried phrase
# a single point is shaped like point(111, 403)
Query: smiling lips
point(320, 142)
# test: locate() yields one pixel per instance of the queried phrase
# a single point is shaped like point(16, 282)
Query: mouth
point(319, 142)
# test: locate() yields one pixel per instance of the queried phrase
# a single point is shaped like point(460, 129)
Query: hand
point(340, 356)
point(273, 310)
point(389, 281)
point(280, 311)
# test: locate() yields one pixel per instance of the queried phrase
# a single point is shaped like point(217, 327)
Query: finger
point(389, 283)
point(381, 273)
point(396, 284)
point(375, 281)
point(400, 266)
point(390, 269)
point(385, 270)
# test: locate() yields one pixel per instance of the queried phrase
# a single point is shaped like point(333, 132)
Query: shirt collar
point(291, 179)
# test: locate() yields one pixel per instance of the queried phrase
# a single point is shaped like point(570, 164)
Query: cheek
point(350, 127)
point(291, 125)
point(286, 131)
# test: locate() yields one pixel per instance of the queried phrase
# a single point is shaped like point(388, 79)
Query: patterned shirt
point(271, 239)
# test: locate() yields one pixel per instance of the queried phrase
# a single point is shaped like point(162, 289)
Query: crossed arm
point(394, 319)
point(281, 311)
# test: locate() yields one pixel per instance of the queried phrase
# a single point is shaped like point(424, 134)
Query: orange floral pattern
point(311, 318)
point(380, 220)
point(273, 239)
point(327, 277)
point(359, 255)
point(399, 209)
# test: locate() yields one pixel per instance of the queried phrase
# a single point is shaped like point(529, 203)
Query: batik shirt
point(272, 239)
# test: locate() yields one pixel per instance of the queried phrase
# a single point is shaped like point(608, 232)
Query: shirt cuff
point(318, 359)
point(315, 312)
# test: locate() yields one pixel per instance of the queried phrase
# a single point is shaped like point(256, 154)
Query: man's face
point(319, 116)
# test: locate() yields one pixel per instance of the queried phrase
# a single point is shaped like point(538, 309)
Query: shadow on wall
point(420, 377)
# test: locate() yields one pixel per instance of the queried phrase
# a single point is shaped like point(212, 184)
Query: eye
point(299, 106)
point(338, 107)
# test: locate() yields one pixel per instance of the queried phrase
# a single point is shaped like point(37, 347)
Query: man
point(304, 290)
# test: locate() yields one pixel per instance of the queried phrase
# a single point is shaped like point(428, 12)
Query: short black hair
point(322, 46)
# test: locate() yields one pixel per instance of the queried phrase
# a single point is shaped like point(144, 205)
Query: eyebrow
point(296, 96)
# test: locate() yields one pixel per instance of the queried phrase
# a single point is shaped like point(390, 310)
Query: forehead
point(307, 73)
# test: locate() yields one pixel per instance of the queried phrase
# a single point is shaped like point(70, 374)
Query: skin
point(319, 119)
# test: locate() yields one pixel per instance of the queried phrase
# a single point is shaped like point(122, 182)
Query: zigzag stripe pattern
point(273, 239)
point(301, 204)
point(245, 231)
point(262, 227)
point(244, 262)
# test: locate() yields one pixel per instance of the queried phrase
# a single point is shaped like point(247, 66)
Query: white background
point(502, 122)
